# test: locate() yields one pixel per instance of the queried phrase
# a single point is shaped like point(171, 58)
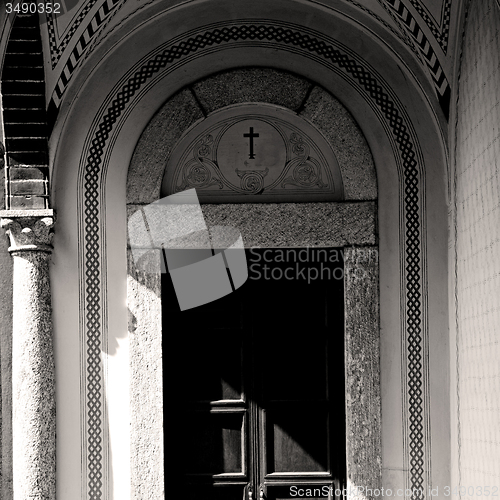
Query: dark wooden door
point(254, 391)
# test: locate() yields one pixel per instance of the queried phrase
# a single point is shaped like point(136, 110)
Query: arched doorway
point(233, 437)
point(99, 132)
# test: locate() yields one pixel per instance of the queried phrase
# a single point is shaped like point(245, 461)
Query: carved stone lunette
point(33, 381)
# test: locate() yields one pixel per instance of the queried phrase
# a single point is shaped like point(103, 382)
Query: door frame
point(255, 477)
point(361, 351)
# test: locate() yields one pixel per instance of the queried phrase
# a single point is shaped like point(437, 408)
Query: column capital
point(29, 230)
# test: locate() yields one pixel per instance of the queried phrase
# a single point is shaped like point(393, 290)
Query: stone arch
point(346, 223)
point(96, 137)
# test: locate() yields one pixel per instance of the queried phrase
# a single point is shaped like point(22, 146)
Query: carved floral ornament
point(254, 153)
point(28, 231)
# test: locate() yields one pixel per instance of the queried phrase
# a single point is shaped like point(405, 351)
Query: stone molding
point(29, 230)
point(362, 371)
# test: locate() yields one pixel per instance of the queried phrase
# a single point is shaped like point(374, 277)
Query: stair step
point(24, 115)
point(14, 144)
point(19, 65)
point(22, 73)
point(13, 124)
point(23, 46)
point(14, 82)
point(27, 20)
point(13, 60)
point(25, 130)
point(14, 152)
point(24, 33)
point(29, 167)
point(25, 137)
point(23, 101)
point(26, 158)
point(14, 88)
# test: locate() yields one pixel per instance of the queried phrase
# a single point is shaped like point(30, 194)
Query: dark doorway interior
point(254, 386)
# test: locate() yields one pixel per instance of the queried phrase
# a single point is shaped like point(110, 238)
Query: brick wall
point(477, 243)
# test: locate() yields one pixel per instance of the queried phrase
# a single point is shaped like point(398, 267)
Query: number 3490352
point(33, 8)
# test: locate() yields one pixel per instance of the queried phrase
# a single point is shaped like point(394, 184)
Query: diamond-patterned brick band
point(98, 18)
point(399, 12)
point(411, 34)
point(441, 34)
point(57, 50)
point(401, 34)
point(85, 41)
point(289, 37)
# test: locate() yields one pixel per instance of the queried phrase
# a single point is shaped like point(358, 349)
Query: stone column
point(33, 385)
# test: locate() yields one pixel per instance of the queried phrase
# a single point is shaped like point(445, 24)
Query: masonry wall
point(477, 253)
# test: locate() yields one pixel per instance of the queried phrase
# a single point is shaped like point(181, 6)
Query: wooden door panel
point(294, 364)
point(211, 492)
point(214, 443)
point(296, 439)
point(212, 366)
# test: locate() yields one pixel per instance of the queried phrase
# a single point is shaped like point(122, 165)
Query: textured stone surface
point(28, 172)
point(281, 224)
point(154, 147)
point(347, 141)
point(362, 346)
point(6, 274)
point(167, 225)
point(145, 334)
point(28, 202)
point(298, 224)
point(252, 85)
point(36, 187)
point(33, 384)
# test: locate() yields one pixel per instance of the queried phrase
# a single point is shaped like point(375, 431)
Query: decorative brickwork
point(95, 26)
point(441, 30)
point(403, 17)
point(72, 52)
